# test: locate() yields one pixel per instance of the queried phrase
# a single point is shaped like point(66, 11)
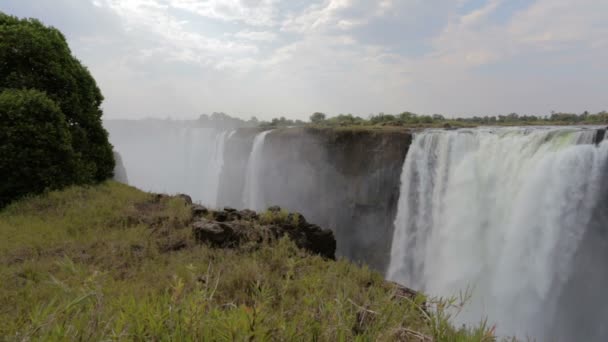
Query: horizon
point(272, 58)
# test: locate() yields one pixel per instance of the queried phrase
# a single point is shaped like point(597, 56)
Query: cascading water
point(252, 194)
point(501, 212)
point(166, 157)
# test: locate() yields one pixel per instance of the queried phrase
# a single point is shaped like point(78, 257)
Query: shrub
point(35, 146)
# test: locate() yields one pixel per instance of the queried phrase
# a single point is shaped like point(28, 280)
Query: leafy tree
point(35, 145)
point(317, 117)
point(33, 56)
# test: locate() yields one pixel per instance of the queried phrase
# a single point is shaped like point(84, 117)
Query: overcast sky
point(181, 58)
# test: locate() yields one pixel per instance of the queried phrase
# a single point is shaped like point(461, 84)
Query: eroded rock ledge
point(231, 228)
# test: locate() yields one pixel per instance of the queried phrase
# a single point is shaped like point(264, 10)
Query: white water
point(252, 194)
point(500, 211)
point(170, 158)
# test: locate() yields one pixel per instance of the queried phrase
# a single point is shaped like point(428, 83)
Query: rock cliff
point(343, 179)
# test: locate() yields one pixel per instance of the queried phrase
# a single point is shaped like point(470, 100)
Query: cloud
point(149, 20)
point(252, 12)
point(272, 57)
point(262, 36)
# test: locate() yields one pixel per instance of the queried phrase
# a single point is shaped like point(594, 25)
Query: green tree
point(33, 56)
point(35, 146)
point(317, 117)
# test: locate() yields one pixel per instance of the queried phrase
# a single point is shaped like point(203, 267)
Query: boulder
point(214, 233)
point(248, 215)
point(199, 210)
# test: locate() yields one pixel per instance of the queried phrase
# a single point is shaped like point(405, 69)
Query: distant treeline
point(225, 121)
point(412, 119)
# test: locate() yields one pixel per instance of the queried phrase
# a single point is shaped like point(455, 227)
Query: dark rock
point(401, 292)
point(186, 198)
point(214, 233)
point(233, 216)
point(199, 210)
point(248, 215)
point(296, 218)
point(229, 209)
point(233, 228)
point(220, 216)
point(159, 198)
point(600, 135)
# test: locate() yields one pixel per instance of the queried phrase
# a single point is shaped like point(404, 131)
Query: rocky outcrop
point(230, 228)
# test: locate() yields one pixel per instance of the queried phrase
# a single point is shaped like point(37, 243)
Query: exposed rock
point(199, 210)
point(342, 179)
point(600, 135)
point(248, 215)
point(186, 198)
point(229, 209)
point(231, 228)
point(220, 216)
point(214, 233)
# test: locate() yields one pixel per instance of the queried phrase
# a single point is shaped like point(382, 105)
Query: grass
point(113, 263)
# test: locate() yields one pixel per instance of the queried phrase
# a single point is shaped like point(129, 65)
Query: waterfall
point(168, 157)
point(252, 194)
point(502, 212)
point(212, 182)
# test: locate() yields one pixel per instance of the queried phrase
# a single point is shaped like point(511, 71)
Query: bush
point(35, 145)
point(33, 56)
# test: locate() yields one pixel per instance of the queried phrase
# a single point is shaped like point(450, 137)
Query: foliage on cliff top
point(37, 57)
point(109, 263)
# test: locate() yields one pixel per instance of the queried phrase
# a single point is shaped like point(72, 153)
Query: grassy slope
point(84, 264)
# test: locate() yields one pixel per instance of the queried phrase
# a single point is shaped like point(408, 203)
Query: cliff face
point(236, 155)
point(346, 180)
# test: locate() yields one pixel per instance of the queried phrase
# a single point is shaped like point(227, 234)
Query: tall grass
point(113, 263)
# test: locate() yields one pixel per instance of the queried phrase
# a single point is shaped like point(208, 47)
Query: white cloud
point(150, 20)
point(262, 36)
point(252, 12)
point(272, 57)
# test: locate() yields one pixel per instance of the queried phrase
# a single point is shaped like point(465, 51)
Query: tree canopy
point(36, 57)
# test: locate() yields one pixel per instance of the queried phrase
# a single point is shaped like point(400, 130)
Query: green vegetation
point(412, 120)
point(36, 151)
point(110, 262)
point(36, 57)
point(408, 119)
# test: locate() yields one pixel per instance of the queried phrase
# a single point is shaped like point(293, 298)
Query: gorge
point(518, 215)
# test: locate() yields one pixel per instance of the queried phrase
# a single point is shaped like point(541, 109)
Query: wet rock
point(600, 135)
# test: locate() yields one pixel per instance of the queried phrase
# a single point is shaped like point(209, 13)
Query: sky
point(270, 58)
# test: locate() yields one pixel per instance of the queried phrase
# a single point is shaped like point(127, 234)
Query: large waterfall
point(505, 213)
point(169, 157)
